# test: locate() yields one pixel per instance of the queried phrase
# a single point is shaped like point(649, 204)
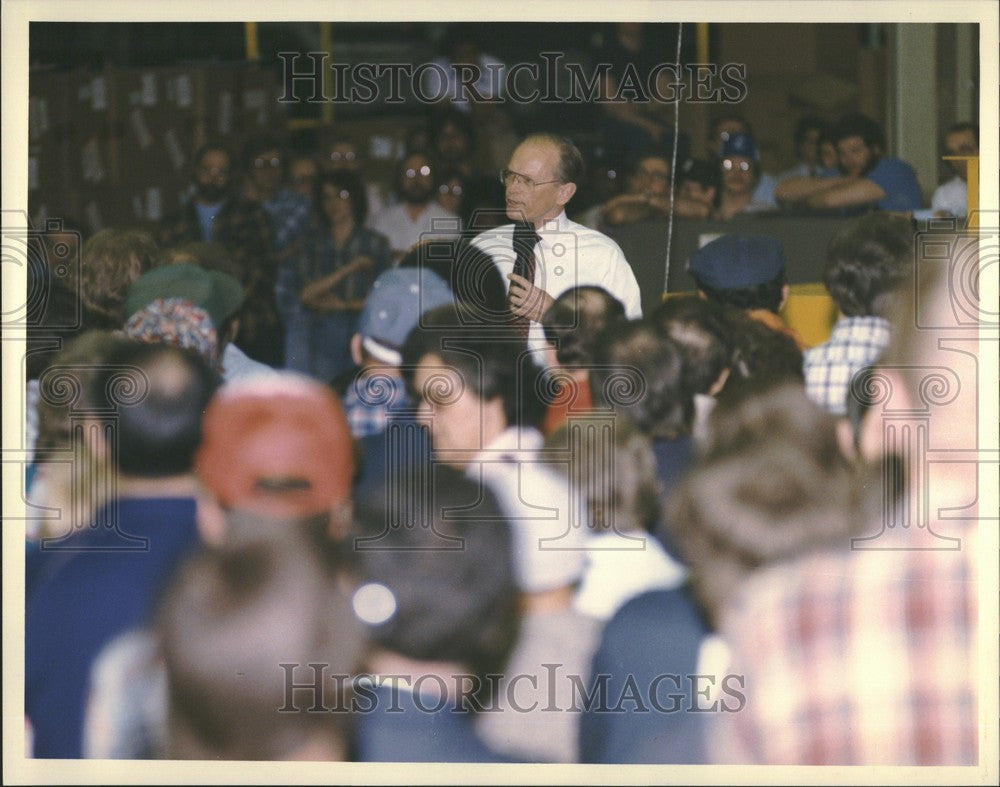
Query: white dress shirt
point(568, 255)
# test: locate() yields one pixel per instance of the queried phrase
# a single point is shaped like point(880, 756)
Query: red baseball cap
point(277, 445)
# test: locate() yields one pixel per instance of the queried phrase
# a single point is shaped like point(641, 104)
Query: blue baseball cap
point(740, 145)
point(735, 261)
point(394, 306)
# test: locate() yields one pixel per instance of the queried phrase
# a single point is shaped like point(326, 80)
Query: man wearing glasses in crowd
point(543, 254)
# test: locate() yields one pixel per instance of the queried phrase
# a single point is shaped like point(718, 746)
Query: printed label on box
point(93, 169)
point(142, 134)
point(381, 147)
point(154, 204)
point(174, 149)
point(149, 89)
point(179, 90)
point(98, 94)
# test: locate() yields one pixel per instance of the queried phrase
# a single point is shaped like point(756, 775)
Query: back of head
point(112, 260)
point(770, 485)
point(73, 370)
point(278, 446)
point(439, 586)
point(238, 627)
point(867, 262)
point(701, 332)
point(398, 299)
point(743, 271)
point(576, 320)
point(761, 356)
point(639, 374)
point(158, 393)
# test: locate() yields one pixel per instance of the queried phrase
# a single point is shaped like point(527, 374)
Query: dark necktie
point(525, 240)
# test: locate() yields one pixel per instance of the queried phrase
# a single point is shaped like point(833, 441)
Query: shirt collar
point(515, 442)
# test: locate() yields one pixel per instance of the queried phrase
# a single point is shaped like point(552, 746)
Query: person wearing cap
point(543, 253)
point(273, 472)
point(726, 128)
point(392, 310)
point(868, 179)
point(745, 272)
point(483, 410)
point(217, 293)
point(277, 446)
point(93, 584)
point(741, 176)
point(216, 213)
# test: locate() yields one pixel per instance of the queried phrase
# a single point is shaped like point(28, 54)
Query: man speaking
point(543, 253)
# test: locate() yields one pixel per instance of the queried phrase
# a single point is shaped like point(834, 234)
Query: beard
point(211, 193)
point(416, 194)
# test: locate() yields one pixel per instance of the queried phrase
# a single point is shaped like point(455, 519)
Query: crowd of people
point(322, 476)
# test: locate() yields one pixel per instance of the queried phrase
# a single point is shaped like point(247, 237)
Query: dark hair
point(958, 128)
point(761, 357)
point(867, 262)
point(262, 144)
point(346, 181)
point(450, 570)
point(701, 333)
point(771, 484)
point(858, 125)
point(159, 393)
point(805, 125)
point(210, 147)
point(759, 296)
point(490, 367)
point(230, 620)
point(424, 154)
point(575, 321)
point(444, 117)
point(639, 373)
point(702, 172)
point(570, 158)
point(731, 116)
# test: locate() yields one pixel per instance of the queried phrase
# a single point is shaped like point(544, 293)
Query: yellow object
point(253, 46)
point(809, 310)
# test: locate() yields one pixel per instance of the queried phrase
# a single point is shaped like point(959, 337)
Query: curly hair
point(867, 262)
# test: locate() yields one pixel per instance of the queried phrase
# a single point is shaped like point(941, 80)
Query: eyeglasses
point(267, 162)
point(509, 178)
point(655, 174)
point(413, 172)
point(444, 188)
point(337, 155)
point(729, 164)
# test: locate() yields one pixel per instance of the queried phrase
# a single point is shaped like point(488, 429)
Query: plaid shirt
point(245, 230)
point(380, 396)
point(289, 212)
point(856, 342)
point(865, 657)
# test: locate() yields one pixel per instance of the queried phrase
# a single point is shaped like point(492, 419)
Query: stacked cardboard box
point(114, 147)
